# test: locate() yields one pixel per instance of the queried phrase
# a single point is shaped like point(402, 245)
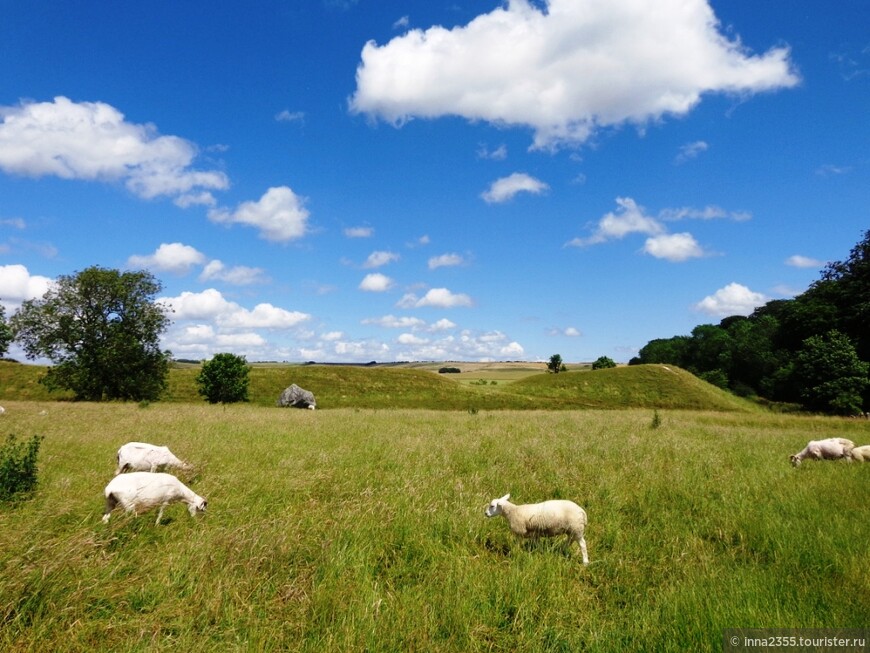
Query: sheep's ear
point(506, 497)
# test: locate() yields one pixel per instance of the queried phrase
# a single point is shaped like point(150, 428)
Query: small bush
point(449, 370)
point(656, 420)
point(18, 467)
point(603, 363)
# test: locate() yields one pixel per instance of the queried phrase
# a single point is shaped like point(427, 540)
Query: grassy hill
point(408, 386)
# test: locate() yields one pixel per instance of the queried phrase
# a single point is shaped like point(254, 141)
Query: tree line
point(812, 350)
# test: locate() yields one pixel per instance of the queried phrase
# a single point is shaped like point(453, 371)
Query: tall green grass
point(362, 529)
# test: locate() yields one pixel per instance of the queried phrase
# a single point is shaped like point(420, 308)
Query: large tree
point(101, 329)
point(5, 333)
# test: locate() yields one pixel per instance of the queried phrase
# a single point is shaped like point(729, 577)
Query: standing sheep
point(144, 457)
point(141, 491)
point(554, 517)
point(861, 453)
point(829, 449)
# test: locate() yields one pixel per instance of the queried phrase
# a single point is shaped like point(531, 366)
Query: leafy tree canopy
point(224, 379)
point(101, 329)
point(5, 332)
point(556, 365)
point(603, 363)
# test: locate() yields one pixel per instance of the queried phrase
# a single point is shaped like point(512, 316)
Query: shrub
point(603, 363)
point(224, 379)
point(18, 467)
point(449, 370)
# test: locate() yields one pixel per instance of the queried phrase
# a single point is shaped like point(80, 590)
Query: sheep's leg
point(582, 542)
point(159, 514)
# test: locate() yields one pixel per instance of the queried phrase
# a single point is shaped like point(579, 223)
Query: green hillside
point(388, 386)
point(636, 386)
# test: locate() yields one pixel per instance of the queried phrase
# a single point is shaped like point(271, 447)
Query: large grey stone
point(295, 397)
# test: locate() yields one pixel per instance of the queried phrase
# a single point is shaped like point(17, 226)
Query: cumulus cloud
point(92, 141)
point(279, 214)
point(445, 260)
point(673, 247)
point(628, 218)
point(239, 275)
point(378, 259)
point(393, 322)
point(733, 299)
point(798, 261)
point(631, 218)
point(18, 285)
point(210, 304)
point(376, 282)
point(174, 258)
point(565, 68)
point(506, 188)
point(437, 297)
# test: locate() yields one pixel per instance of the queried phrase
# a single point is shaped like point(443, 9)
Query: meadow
point(351, 529)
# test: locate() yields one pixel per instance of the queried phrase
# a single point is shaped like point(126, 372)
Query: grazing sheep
point(861, 453)
point(144, 457)
point(2, 410)
point(141, 491)
point(555, 517)
point(829, 449)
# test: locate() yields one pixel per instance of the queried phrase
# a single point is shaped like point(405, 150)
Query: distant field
point(494, 386)
point(354, 529)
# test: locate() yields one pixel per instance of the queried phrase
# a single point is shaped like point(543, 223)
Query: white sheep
point(2, 410)
point(554, 517)
point(861, 453)
point(144, 457)
point(141, 491)
point(829, 449)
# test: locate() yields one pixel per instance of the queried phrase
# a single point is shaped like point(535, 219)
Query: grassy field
point(355, 529)
point(517, 386)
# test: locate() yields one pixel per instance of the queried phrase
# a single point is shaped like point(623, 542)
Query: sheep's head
point(197, 506)
point(495, 506)
point(795, 461)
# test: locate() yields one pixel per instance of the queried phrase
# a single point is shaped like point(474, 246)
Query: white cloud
point(733, 299)
point(279, 214)
point(411, 339)
point(506, 188)
point(393, 322)
point(376, 282)
point(691, 151)
point(378, 259)
point(565, 68)
point(707, 213)
point(498, 154)
point(799, 261)
point(174, 258)
point(359, 232)
point(628, 218)
point(92, 141)
point(239, 275)
point(445, 260)
point(442, 325)
point(187, 200)
point(673, 247)
point(210, 304)
point(290, 116)
point(402, 23)
point(18, 285)
point(443, 298)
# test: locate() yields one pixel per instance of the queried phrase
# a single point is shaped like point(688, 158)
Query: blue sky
point(340, 180)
